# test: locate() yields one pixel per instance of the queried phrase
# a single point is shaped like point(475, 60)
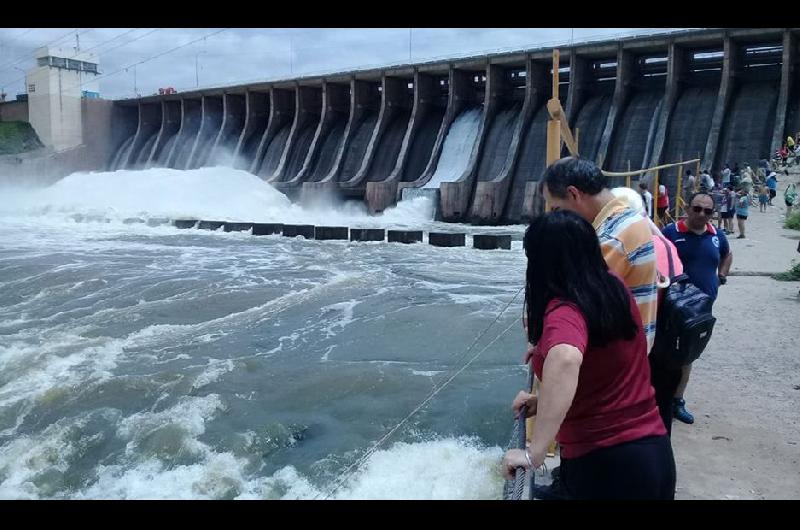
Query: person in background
point(663, 202)
point(742, 210)
point(647, 198)
point(772, 184)
point(706, 182)
point(726, 175)
point(723, 201)
point(706, 259)
point(763, 198)
point(790, 198)
point(595, 398)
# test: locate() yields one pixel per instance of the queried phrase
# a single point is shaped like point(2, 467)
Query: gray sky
point(240, 55)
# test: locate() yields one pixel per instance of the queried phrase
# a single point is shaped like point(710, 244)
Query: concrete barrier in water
point(330, 232)
point(404, 236)
point(237, 227)
point(267, 229)
point(367, 234)
point(210, 225)
point(491, 241)
point(158, 221)
point(307, 231)
point(185, 223)
point(444, 239)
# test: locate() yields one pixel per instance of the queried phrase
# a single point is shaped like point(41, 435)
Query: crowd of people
point(598, 270)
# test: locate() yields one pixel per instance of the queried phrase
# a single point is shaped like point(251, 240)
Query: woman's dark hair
point(565, 262)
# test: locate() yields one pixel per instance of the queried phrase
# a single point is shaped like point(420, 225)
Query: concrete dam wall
point(724, 96)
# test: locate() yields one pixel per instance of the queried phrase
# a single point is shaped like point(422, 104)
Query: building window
point(32, 88)
point(73, 65)
point(43, 61)
point(58, 62)
point(89, 67)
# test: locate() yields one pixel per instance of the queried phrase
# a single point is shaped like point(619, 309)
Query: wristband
point(528, 458)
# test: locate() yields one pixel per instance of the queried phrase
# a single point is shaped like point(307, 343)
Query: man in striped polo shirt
point(578, 185)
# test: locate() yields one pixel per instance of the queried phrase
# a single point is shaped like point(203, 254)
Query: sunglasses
point(698, 209)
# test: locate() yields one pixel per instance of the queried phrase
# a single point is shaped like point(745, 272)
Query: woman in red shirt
point(595, 397)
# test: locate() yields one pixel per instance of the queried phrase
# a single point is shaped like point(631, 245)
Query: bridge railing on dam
point(720, 95)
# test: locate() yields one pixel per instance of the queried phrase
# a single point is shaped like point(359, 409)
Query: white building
point(56, 86)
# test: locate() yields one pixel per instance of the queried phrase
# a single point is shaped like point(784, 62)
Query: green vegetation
point(793, 222)
point(17, 137)
point(792, 275)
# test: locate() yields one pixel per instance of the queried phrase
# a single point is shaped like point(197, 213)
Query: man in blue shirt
point(706, 258)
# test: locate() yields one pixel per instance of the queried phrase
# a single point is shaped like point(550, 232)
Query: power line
point(152, 57)
point(28, 55)
point(106, 51)
point(104, 42)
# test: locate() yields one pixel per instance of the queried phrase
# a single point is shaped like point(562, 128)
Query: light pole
point(196, 70)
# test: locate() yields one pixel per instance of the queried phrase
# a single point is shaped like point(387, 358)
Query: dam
point(471, 132)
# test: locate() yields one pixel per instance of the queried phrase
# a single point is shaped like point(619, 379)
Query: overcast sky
point(231, 56)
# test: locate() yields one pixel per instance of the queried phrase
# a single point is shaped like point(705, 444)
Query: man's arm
point(725, 264)
point(726, 258)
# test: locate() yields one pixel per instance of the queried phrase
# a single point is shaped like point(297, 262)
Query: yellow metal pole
point(655, 198)
point(553, 154)
point(697, 174)
point(556, 57)
point(628, 177)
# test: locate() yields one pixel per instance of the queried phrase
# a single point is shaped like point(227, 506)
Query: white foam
point(190, 414)
point(345, 318)
point(426, 373)
point(213, 193)
point(215, 370)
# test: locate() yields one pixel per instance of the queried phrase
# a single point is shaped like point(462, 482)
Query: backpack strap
point(669, 257)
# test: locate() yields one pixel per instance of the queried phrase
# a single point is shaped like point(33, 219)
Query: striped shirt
point(627, 246)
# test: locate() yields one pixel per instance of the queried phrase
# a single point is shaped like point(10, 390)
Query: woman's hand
point(515, 458)
point(524, 398)
point(529, 353)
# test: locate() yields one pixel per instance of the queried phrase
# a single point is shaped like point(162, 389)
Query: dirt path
point(745, 390)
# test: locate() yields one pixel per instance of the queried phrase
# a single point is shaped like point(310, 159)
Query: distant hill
point(17, 137)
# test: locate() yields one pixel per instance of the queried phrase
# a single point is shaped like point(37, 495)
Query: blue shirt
point(700, 254)
point(772, 183)
point(743, 205)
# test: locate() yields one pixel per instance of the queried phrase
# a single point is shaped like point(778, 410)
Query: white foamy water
point(149, 362)
point(457, 148)
point(212, 193)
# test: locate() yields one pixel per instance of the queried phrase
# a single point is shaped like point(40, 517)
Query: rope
point(360, 462)
point(480, 335)
point(514, 489)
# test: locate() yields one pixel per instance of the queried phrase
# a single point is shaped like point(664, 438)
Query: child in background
point(742, 210)
point(763, 198)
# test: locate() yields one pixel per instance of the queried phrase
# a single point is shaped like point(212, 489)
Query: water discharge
point(145, 361)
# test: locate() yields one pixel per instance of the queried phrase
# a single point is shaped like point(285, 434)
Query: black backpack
point(684, 322)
